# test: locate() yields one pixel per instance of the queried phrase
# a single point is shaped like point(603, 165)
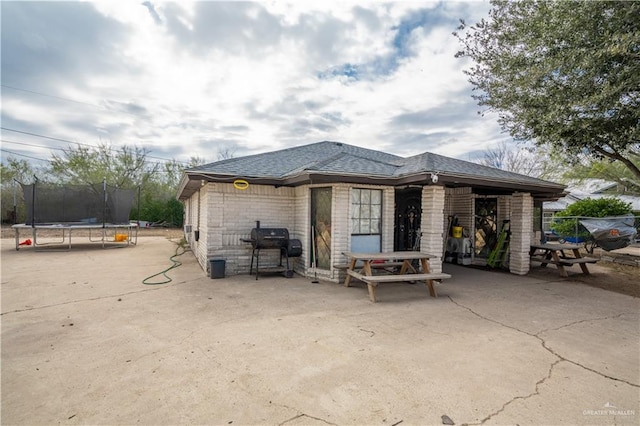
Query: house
point(336, 197)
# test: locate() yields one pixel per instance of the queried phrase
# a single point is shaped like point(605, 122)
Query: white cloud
point(183, 78)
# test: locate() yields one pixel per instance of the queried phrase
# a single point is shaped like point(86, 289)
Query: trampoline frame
point(130, 230)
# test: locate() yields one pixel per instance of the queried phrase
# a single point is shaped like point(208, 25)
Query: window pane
point(356, 211)
point(375, 226)
point(366, 196)
point(365, 212)
point(376, 197)
point(355, 196)
point(365, 227)
point(355, 226)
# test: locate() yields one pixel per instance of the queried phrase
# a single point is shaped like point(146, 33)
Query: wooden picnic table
point(379, 261)
point(558, 254)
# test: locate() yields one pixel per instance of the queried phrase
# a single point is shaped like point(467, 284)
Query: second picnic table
point(389, 261)
point(555, 254)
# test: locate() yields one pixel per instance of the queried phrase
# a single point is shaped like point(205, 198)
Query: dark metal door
point(408, 211)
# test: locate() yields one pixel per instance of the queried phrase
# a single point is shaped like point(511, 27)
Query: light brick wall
point(228, 214)
point(388, 218)
point(521, 226)
point(460, 202)
point(341, 229)
point(504, 209)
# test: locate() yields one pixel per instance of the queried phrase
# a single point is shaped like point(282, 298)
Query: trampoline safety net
point(90, 204)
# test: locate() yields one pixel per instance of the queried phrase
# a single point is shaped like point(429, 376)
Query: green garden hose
point(176, 263)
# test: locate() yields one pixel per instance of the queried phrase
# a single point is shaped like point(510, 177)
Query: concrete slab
point(84, 341)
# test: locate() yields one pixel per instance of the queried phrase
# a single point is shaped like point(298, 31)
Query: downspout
point(196, 233)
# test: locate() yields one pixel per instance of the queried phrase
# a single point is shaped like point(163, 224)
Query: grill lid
point(269, 237)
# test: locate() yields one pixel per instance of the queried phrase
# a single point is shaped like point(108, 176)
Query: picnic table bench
point(406, 273)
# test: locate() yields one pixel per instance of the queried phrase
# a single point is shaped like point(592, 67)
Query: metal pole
point(104, 204)
point(139, 206)
point(33, 202)
point(314, 250)
point(15, 202)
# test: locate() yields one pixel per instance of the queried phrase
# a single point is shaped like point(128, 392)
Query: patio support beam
point(521, 231)
point(432, 223)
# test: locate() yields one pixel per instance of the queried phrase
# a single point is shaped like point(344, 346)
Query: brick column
point(521, 229)
point(432, 225)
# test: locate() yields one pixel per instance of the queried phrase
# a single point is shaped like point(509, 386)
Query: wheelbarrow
point(611, 233)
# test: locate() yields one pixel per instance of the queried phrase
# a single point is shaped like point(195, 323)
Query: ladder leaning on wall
point(498, 255)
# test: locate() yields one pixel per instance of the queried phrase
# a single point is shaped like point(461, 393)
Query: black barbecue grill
point(273, 239)
point(265, 238)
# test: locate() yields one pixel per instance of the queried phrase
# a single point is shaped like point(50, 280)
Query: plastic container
point(457, 232)
point(217, 268)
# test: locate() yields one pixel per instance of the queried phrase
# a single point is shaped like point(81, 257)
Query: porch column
point(432, 224)
point(521, 229)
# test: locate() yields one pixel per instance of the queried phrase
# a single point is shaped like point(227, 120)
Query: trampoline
point(100, 209)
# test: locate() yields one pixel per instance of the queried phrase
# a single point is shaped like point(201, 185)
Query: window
point(366, 206)
point(547, 220)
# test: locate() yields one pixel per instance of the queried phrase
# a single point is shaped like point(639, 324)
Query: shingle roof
point(335, 157)
point(345, 161)
point(428, 162)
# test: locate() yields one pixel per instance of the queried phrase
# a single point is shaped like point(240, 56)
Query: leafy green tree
point(159, 203)
point(11, 171)
point(125, 167)
point(562, 73)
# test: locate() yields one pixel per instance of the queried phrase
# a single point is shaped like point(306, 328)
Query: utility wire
point(80, 143)
point(102, 107)
point(61, 149)
point(22, 155)
point(49, 96)
point(31, 144)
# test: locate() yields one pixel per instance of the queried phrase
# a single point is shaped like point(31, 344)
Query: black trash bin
point(216, 268)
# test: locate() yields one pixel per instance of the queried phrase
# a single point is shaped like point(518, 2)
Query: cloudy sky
point(190, 79)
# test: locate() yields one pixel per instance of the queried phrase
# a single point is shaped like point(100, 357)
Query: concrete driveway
point(84, 341)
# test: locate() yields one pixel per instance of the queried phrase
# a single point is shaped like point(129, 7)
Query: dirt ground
point(616, 277)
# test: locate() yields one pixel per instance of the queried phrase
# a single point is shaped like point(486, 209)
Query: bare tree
point(224, 153)
point(523, 159)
